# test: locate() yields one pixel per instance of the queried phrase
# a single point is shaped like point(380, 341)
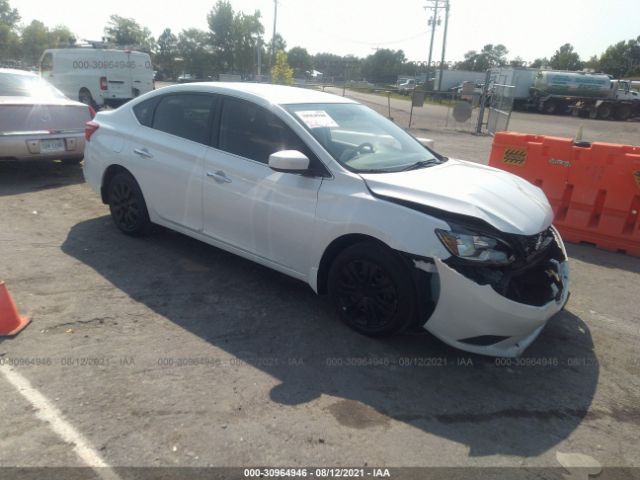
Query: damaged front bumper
point(477, 319)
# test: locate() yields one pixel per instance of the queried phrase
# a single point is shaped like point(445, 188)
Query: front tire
point(127, 205)
point(372, 289)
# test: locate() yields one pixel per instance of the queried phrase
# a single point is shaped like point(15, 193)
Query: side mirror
point(289, 161)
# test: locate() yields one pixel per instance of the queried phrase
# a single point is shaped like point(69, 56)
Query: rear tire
point(127, 205)
point(549, 107)
point(84, 96)
point(372, 289)
point(622, 112)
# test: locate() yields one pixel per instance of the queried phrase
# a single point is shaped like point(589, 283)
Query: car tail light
point(103, 83)
point(89, 129)
point(92, 112)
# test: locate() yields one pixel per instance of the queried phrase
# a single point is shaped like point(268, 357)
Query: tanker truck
point(593, 95)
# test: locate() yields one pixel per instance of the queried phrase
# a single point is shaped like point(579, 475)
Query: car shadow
point(22, 176)
point(276, 324)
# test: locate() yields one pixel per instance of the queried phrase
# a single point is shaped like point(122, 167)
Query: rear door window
point(187, 115)
point(253, 132)
point(144, 111)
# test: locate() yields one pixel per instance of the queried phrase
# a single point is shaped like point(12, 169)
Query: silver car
point(37, 121)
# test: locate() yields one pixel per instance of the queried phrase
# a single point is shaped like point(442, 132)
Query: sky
point(528, 28)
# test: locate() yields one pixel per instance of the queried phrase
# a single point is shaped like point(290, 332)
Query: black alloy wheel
point(372, 290)
point(127, 205)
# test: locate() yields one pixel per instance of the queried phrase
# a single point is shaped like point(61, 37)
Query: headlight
point(476, 248)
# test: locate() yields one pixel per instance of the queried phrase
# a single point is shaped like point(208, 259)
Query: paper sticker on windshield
point(317, 119)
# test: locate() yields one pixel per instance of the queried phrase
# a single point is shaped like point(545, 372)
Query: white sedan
point(327, 191)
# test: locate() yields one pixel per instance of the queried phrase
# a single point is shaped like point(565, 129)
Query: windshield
point(21, 85)
point(361, 139)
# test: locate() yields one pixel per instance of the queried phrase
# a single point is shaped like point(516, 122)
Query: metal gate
point(500, 107)
point(496, 104)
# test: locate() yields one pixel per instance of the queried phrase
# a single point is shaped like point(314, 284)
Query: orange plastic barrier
point(594, 189)
point(10, 322)
point(537, 159)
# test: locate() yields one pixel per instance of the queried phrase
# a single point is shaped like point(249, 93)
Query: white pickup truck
point(407, 87)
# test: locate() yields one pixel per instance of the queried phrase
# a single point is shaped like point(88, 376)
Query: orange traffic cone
point(10, 322)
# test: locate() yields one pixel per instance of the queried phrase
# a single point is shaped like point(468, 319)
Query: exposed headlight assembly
point(481, 249)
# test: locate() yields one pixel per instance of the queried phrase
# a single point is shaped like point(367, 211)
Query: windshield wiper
point(421, 164)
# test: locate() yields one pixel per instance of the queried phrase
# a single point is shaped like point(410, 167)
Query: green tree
point(8, 16)
point(300, 61)
point(352, 67)
point(126, 32)
point(540, 62)
point(490, 56)
point(593, 63)
point(35, 40)
point(221, 26)
point(9, 38)
point(566, 58)
point(622, 59)
point(194, 51)
point(166, 53)
point(281, 72)
point(235, 37)
point(517, 62)
point(247, 38)
point(384, 66)
point(276, 44)
point(61, 36)
point(329, 64)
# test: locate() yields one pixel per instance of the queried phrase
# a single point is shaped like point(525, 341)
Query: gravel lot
point(163, 351)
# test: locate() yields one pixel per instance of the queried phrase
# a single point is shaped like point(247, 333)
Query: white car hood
point(505, 201)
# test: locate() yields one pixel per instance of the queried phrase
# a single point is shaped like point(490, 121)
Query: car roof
point(263, 92)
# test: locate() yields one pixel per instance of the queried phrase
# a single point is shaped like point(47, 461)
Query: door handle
point(219, 176)
point(143, 152)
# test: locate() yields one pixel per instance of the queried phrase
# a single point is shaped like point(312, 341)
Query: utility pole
point(259, 53)
point(444, 41)
point(273, 39)
point(433, 21)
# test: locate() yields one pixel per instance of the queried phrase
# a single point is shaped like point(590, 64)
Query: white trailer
point(522, 79)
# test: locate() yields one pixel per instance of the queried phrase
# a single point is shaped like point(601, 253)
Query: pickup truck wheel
point(372, 289)
point(127, 205)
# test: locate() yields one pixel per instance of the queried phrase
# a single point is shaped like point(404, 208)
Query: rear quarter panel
point(107, 144)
